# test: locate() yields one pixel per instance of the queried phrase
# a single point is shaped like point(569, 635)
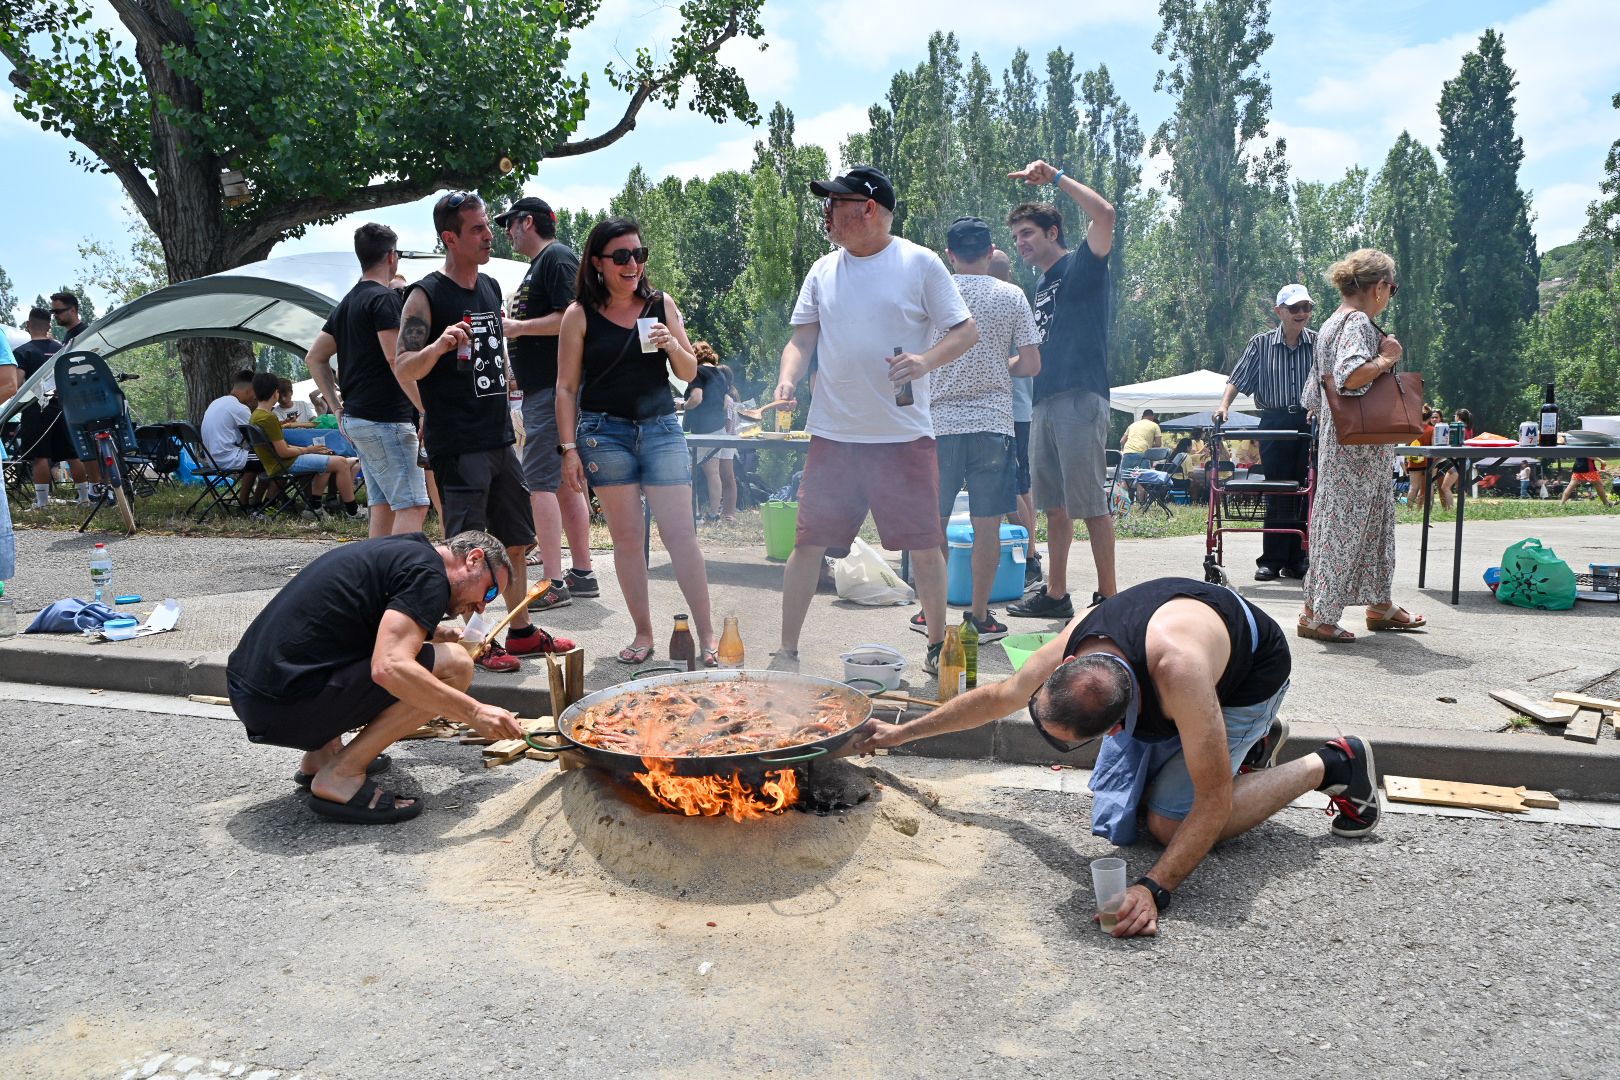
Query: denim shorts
point(307, 465)
point(388, 456)
point(986, 463)
point(1170, 792)
point(650, 452)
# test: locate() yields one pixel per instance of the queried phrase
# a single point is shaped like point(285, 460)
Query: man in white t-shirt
point(222, 422)
point(868, 312)
point(972, 405)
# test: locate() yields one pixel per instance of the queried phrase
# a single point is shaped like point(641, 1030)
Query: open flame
point(711, 796)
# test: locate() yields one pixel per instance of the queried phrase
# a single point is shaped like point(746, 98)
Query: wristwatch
point(563, 448)
point(1161, 895)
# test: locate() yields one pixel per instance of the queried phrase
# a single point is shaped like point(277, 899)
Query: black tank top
point(1256, 670)
point(618, 378)
point(465, 411)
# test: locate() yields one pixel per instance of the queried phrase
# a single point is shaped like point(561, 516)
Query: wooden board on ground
point(1586, 701)
point(1585, 726)
point(1513, 800)
point(1548, 712)
point(208, 699)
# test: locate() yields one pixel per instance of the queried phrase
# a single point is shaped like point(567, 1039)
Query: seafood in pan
point(714, 719)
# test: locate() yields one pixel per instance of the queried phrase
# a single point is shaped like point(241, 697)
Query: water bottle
point(464, 350)
point(8, 614)
point(101, 571)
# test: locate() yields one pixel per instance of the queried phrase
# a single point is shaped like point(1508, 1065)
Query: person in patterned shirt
point(972, 405)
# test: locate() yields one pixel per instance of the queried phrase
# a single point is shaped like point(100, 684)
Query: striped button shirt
point(1273, 373)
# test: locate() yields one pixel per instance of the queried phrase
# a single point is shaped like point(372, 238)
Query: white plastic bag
point(864, 577)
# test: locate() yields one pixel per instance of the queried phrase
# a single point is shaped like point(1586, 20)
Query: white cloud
point(829, 129)
point(726, 154)
point(771, 72)
point(1315, 153)
point(563, 196)
point(1561, 213)
point(11, 121)
point(852, 31)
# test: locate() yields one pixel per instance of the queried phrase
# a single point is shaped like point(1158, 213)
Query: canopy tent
point(1195, 391)
point(1200, 420)
point(282, 302)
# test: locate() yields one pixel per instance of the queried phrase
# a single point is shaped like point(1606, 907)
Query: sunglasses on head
point(624, 256)
point(459, 197)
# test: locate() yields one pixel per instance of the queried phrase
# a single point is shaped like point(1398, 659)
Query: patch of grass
point(163, 513)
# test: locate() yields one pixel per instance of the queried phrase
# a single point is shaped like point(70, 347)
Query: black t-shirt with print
point(31, 355)
point(1071, 308)
point(365, 375)
point(466, 411)
point(327, 617)
point(547, 288)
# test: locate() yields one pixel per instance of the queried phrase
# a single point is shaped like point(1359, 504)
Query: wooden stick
point(208, 699)
point(1587, 702)
point(481, 647)
point(573, 675)
point(891, 695)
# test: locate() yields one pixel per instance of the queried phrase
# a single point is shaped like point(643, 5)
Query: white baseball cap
point(1293, 294)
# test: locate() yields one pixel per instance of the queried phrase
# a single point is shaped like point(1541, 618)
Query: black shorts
point(484, 490)
point(44, 434)
point(350, 699)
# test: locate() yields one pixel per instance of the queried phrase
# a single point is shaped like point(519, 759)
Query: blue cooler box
point(1009, 583)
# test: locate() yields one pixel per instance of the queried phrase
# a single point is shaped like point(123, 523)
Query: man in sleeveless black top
point(466, 422)
point(1185, 678)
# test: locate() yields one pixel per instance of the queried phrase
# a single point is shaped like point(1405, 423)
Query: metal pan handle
point(562, 746)
point(851, 684)
point(819, 751)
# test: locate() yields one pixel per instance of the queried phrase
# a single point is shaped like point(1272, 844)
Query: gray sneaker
point(555, 597)
point(584, 586)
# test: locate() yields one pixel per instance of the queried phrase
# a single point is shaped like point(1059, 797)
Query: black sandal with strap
point(359, 810)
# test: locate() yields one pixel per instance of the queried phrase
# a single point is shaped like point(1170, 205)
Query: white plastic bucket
point(880, 663)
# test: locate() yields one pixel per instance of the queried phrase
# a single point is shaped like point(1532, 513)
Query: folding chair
point(223, 489)
point(286, 493)
point(157, 456)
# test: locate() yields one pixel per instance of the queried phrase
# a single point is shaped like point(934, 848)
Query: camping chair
point(157, 455)
point(1154, 492)
point(223, 489)
point(284, 492)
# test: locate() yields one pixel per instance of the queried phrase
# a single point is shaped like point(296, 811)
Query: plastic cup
point(1108, 882)
point(644, 328)
point(319, 440)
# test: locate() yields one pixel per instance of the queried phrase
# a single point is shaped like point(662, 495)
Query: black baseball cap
point(526, 205)
point(969, 236)
point(862, 180)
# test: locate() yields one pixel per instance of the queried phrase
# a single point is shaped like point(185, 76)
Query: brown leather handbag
point(1391, 411)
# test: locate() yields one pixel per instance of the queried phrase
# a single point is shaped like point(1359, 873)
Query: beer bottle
point(970, 649)
point(731, 644)
point(902, 393)
point(952, 666)
point(1548, 435)
point(682, 649)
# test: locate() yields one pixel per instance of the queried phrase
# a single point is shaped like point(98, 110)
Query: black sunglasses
point(1394, 287)
point(494, 585)
point(459, 197)
point(1052, 740)
point(60, 310)
point(623, 256)
point(1304, 307)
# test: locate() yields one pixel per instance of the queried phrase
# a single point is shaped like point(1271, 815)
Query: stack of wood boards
point(1514, 800)
point(1581, 715)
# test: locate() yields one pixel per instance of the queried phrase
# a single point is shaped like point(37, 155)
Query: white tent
point(282, 301)
point(1195, 391)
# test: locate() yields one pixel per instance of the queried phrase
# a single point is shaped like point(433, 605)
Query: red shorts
point(897, 482)
point(1587, 478)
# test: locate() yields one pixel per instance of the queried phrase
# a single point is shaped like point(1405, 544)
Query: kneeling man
point(345, 644)
point(1185, 679)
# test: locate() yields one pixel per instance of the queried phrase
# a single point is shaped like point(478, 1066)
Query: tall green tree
point(1108, 155)
point(1604, 214)
point(123, 275)
point(8, 299)
point(1489, 287)
point(1224, 191)
point(330, 107)
point(1330, 219)
point(1410, 212)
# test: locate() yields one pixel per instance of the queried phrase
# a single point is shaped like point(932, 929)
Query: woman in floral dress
point(1353, 517)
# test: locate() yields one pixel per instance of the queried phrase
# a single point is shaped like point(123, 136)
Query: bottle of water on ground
point(101, 571)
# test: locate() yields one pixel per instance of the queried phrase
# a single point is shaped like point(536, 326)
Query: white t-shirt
point(974, 392)
point(300, 411)
point(220, 434)
point(866, 306)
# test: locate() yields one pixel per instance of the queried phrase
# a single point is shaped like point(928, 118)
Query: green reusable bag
point(1534, 577)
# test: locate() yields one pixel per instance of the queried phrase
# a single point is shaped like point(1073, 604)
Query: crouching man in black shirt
point(1185, 680)
point(345, 644)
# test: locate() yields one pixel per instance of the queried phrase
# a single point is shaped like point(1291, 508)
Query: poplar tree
point(1410, 212)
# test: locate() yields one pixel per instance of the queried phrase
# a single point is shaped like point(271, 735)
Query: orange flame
point(711, 796)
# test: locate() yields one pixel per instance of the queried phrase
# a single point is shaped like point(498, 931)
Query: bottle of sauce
point(682, 648)
point(731, 644)
point(970, 650)
point(1549, 417)
point(464, 351)
point(902, 393)
point(952, 666)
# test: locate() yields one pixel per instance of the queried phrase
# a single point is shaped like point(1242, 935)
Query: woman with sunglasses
point(1353, 515)
point(616, 416)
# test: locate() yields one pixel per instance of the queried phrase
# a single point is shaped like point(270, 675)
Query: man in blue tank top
point(1185, 680)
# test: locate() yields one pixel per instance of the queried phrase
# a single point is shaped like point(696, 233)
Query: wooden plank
point(1454, 793)
point(1541, 800)
point(1548, 712)
point(1587, 702)
point(559, 693)
point(208, 699)
point(504, 752)
point(573, 676)
point(536, 755)
point(1585, 726)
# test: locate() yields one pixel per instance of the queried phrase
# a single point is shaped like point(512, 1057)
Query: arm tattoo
point(413, 336)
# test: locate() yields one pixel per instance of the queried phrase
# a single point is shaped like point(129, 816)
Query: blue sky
point(1346, 81)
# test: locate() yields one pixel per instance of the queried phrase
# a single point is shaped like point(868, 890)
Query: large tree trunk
point(208, 364)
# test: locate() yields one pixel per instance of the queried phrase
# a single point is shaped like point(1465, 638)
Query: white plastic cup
point(318, 440)
point(1108, 882)
point(644, 328)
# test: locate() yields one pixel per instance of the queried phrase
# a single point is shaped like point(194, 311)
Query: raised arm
point(1098, 210)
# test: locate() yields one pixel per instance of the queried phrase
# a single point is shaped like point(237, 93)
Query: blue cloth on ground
point(70, 616)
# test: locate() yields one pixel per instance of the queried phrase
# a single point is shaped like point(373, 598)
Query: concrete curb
point(1565, 767)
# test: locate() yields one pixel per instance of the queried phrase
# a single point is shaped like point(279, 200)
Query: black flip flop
point(359, 811)
point(378, 764)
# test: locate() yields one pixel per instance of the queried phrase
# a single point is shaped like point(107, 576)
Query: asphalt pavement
point(165, 898)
